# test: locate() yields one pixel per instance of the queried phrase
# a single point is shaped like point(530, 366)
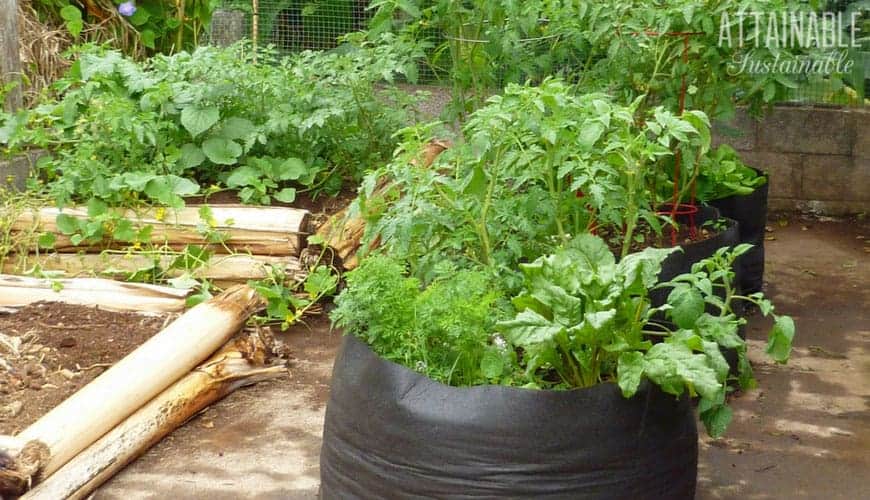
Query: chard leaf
point(529, 328)
point(629, 372)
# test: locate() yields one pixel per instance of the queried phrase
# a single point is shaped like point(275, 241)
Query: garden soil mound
point(48, 351)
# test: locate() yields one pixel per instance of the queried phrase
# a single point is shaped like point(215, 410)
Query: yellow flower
point(290, 318)
point(137, 245)
point(160, 214)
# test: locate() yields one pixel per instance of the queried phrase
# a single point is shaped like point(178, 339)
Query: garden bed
point(62, 348)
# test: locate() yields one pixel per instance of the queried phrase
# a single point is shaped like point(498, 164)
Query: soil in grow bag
point(750, 212)
point(393, 433)
point(681, 262)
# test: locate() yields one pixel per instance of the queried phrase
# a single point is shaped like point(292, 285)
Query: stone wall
point(818, 158)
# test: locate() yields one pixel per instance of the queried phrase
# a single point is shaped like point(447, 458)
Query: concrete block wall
point(818, 158)
point(15, 170)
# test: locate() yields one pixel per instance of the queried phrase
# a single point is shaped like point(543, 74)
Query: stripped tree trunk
point(19, 291)
point(239, 363)
point(101, 405)
point(221, 270)
point(237, 228)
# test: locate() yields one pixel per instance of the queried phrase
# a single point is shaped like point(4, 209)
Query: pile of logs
point(81, 443)
point(251, 241)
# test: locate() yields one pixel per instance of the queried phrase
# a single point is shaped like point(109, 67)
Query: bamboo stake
point(239, 363)
point(257, 230)
point(221, 270)
point(101, 405)
point(343, 233)
point(19, 291)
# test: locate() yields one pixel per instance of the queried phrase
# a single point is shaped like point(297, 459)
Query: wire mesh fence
point(288, 25)
point(294, 25)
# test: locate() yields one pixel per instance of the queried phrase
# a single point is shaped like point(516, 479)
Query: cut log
point(222, 270)
point(255, 230)
point(106, 401)
point(19, 291)
point(239, 363)
point(343, 233)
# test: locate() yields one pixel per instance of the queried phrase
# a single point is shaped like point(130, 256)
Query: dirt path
point(806, 432)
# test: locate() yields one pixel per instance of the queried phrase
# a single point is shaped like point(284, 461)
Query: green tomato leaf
point(780, 339)
point(197, 120)
point(671, 366)
point(222, 151)
point(716, 418)
point(720, 329)
point(687, 305)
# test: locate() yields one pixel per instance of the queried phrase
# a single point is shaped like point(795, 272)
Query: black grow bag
point(750, 212)
point(393, 433)
point(679, 263)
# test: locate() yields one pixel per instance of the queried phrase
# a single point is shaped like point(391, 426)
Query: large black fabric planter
point(750, 212)
point(393, 433)
point(681, 262)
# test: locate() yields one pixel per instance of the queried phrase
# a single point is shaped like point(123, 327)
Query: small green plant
point(284, 304)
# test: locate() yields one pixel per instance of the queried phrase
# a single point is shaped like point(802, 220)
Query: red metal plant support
point(676, 208)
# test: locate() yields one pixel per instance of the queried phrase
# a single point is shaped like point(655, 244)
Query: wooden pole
point(239, 363)
point(107, 400)
point(258, 230)
point(10, 60)
point(222, 270)
point(19, 291)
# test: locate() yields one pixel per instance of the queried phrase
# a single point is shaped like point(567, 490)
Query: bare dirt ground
point(49, 351)
point(804, 434)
